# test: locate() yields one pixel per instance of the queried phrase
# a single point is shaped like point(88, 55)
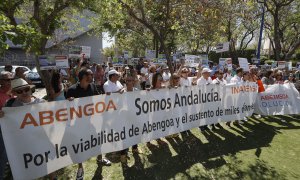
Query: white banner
point(42, 138)
point(278, 99)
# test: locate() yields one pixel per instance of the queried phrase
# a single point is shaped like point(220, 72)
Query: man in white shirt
point(238, 77)
point(219, 80)
point(205, 79)
point(185, 80)
point(113, 85)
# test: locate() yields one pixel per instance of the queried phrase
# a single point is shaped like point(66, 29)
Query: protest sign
point(162, 59)
point(62, 61)
point(274, 64)
point(228, 62)
point(192, 60)
point(47, 62)
point(289, 65)
point(222, 47)
point(222, 63)
point(204, 59)
point(86, 51)
point(74, 51)
point(45, 137)
point(243, 62)
point(281, 64)
point(150, 54)
point(278, 99)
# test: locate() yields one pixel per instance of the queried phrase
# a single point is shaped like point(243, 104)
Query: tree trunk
point(277, 37)
point(45, 75)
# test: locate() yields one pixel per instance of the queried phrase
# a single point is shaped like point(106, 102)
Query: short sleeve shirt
point(112, 87)
point(203, 81)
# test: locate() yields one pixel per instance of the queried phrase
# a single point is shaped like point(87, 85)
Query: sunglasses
point(23, 90)
point(184, 72)
point(6, 80)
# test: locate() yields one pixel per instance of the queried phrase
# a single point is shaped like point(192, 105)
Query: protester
point(22, 96)
point(113, 85)
point(253, 74)
point(202, 81)
point(279, 78)
point(8, 68)
point(185, 80)
point(268, 79)
point(144, 75)
point(20, 73)
point(5, 95)
point(152, 70)
point(246, 77)
point(174, 81)
point(205, 79)
point(84, 88)
point(291, 79)
point(227, 75)
point(75, 71)
point(109, 67)
point(58, 88)
point(166, 75)
point(219, 81)
point(99, 78)
point(219, 78)
point(238, 77)
point(5, 87)
point(129, 81)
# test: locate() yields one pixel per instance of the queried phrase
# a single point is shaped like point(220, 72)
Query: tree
point(41, 16)
point(163, 19)
point(239, 24)
point(283, 27)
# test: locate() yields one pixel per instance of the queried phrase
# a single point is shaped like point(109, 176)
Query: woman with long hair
point(99, 78)
point(58, 89)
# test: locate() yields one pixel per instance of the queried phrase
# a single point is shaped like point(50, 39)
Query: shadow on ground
point(254, 134)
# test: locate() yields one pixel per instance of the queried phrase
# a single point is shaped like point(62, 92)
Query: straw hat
point(19, 84)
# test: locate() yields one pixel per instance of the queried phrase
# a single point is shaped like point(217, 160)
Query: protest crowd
point(83, 79)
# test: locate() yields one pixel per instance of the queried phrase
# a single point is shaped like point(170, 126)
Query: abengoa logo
point(61, 115)
point(243, 88)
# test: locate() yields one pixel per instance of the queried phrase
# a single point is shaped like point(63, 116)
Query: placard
point(243, 62)
point(281, 64)
point(62, 61)
point(222, 47)
point(47, 62)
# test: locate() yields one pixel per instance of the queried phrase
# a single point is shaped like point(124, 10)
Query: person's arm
point(1, 114)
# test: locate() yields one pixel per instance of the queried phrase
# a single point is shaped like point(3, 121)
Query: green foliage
point(213, 56)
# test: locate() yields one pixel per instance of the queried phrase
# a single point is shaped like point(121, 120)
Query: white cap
point(113, 71)
point(204, 70)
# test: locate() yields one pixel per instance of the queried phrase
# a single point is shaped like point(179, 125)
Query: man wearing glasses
point(23, 96)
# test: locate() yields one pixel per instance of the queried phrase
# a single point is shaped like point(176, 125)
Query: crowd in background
point(84, 79)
